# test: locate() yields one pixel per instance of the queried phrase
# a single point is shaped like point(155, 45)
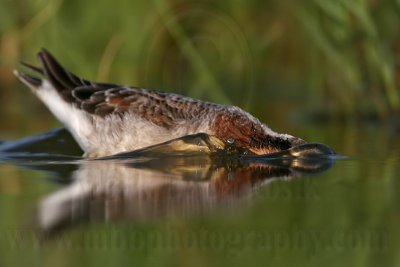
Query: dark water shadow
point(189, 176)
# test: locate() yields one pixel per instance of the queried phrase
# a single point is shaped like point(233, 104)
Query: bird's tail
point(52, 71)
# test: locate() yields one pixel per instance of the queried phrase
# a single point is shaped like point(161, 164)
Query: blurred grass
point(332, 59)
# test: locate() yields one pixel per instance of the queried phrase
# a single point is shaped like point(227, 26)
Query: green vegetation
point(334, 59)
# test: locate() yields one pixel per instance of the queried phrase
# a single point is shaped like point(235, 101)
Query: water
point(151, 208)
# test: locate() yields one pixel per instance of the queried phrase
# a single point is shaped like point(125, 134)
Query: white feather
point(76, 121)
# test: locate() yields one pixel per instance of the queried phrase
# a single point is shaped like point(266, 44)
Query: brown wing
point(103, 99)
point(119, 100)
point(159, 108)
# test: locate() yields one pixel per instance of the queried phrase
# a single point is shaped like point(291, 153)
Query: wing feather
point(104, 99)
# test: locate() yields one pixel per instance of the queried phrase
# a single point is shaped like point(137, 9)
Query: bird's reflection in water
point(185, 177)
point(153, 183)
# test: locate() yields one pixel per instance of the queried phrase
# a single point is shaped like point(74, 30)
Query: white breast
point(118, 134)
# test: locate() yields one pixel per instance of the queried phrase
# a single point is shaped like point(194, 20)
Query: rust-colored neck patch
point(239, 129)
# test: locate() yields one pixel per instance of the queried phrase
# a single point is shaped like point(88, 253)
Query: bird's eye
point(230, 140)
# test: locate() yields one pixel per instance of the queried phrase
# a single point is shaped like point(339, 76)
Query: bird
point(106, 118)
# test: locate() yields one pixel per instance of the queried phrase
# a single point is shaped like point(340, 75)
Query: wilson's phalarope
point(107, 118)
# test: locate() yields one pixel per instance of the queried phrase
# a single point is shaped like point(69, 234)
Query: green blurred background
point(280, 60)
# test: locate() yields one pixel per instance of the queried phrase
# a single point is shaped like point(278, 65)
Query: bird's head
point(241, 130)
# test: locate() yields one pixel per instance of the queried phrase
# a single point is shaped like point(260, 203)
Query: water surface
point(186, 210)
